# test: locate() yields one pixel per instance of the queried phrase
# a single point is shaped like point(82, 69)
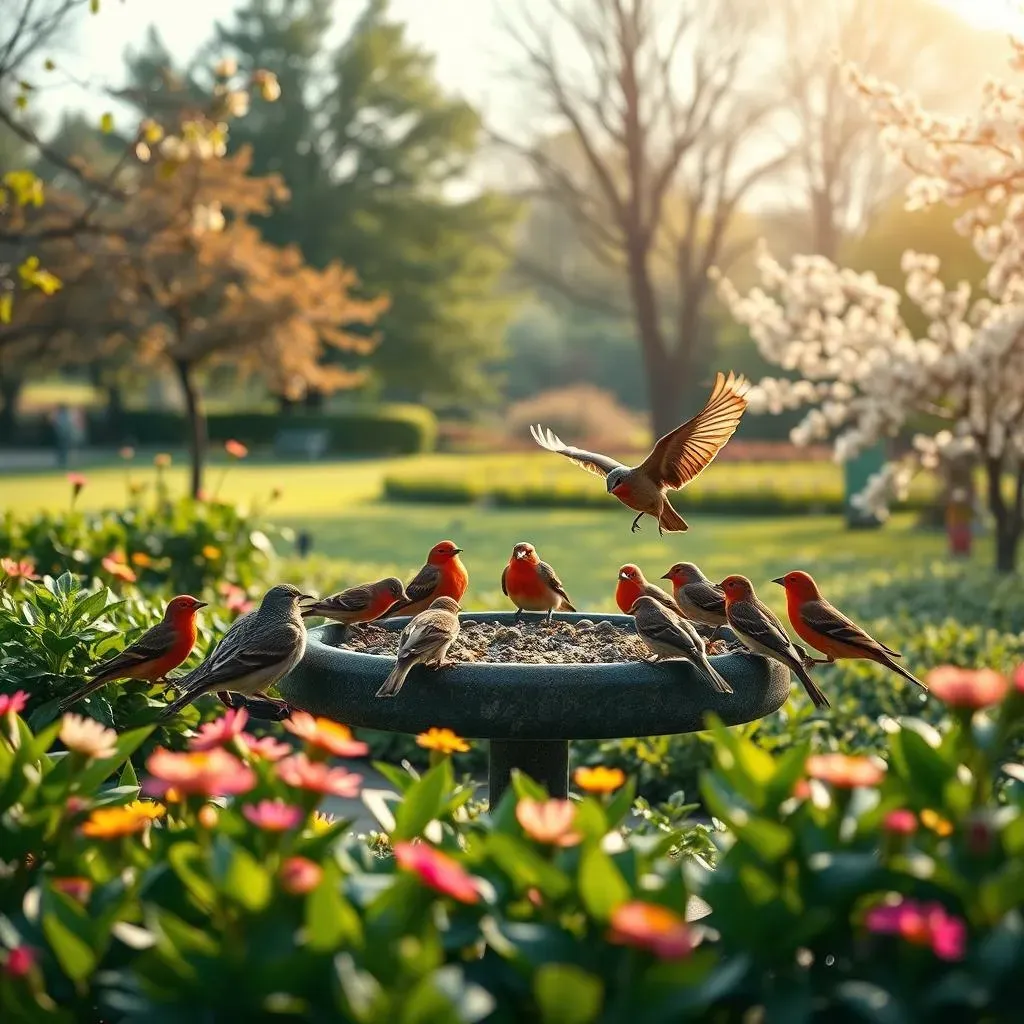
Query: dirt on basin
point(529, 642)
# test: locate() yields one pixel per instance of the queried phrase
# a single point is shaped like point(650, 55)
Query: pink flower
point(273, 815)
point(236, 449)
point(1018, 679)
point(18, 570)
point(326, 735)
point(13, 703)
point(265, 748)
point(438, 871)
point(300, 875)
point(650, 926)
point(76, 887)
point(921, 924)
point(77, 482)
point(316, 777)
point(20, 961)
point(221, 731)
point(199, 773)
point(235, 598)
point(118, 569)
point(548, 821)
point(844, 771)
point(127, 453)
point(900, 822)
point(967, 688)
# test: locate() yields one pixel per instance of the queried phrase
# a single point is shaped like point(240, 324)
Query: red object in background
point(958, 527)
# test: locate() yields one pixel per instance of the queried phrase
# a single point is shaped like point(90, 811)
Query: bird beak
point(306, 597)
point(459, 551)
point(623, 576)
point(520, 554)
point(202, 604)
point(667, 576)
point(780, 580)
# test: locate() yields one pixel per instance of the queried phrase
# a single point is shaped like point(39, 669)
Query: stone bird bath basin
point(530, 713)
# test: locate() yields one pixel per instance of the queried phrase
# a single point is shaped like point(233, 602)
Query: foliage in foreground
point(842, 886)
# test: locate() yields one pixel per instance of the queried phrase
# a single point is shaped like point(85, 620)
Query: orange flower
point(141, 559)
point(236, 449)
point(331, 737)
point(443, 740)
point(650, 926)
point(844, 771)
point(115, 822)
point(599, 779)
point(127, 452)
point(549, 821)
point(438, 871)
point(77, 482)
point(161, 461)
point(117, 568)
point(936, 823)
point(210, 553)
point(967, 688)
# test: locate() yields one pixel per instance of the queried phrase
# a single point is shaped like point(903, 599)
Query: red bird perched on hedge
point(158, 651)
point(677, 458)
point(631, 586)
point(761, 632)
point(828, 630)
point(532, 585)
point(444, 575)
point(363, 603)
point(700, 599)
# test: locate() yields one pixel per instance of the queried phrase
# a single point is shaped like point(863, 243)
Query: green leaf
point(331, 921)
point(423, 801)
point(240, 876)
point(602, 887)
point(525, 786)
point(90, 607)
point(186, 859)
point(620, 804)
point(398, 777)
point(567, 995)
point(71, 933)
point(526, 867)
point(128, 776)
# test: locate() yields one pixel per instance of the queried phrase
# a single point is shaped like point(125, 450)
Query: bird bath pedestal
point(530, 713)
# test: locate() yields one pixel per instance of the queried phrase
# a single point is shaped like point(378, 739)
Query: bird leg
point(636, 523)
point(518, 615)
point(827, 660)
point(547, 621)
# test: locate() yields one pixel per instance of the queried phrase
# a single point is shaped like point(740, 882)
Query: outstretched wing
point(828, 620)
point(422, 587)
point(683, 453)
point(548, 575)
point(592, 462)
point(153, 644)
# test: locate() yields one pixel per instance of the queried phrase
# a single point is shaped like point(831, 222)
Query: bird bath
point(529, 713)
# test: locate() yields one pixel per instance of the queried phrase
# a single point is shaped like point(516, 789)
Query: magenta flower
point(265, 748)
point(900, 822)
point(221, 731)
point(921, 924)
point(438, 871)
point(316, 777)
point(13, 703)
point(20, 961)
point(273, 815)
point(300, 875)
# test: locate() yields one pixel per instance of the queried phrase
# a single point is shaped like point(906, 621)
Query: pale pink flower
point(317, 777)
point(273, 815)
point(87, 736)
point(331, 737)
point(198, 773)
point(221, 731)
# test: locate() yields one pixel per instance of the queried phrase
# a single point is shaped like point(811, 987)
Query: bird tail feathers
point(396, 679)
point(717, 681)
point(671, 520)
point(82, 692)
point(813, 691)
point(900, 670)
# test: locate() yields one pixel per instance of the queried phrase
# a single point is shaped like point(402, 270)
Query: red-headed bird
point(700, 599)
point(362, 603)
point(761, 632)
point(828, 630)
point(631, 585)
point(444, 575)
point(532, 585)
point(158, 651)
point(677, 458)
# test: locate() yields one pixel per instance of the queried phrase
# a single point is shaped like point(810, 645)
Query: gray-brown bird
point(532, 585)
point(362, 603)
point(677, 458)
point(700, 599)
point(259, 649)
point(668, 635)
point(762, 632)
point(424, 641)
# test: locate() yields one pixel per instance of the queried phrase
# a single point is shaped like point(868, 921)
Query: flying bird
point(532, 585)
point(257, 650)
point(363, 603)
point(828, 630)
point(668, 635)
point(677, 458)
point(631, 584)
point(444, 575)
point(159, 650)
point(424, 641)
point(761, 632)
point(700, 599)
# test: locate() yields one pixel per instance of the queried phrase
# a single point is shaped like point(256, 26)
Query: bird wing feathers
point(423, 585)
point(659, 595)
point(826, 619)
point(667, 629)
point(422, 636)
point(230, 643)
point(261, 649)
point(592, 462)
point(550, 577)
point(504, 585)
point(706, 596)
point(355, 599)
point(153, 644)
point(684, 452)
point(757, 621)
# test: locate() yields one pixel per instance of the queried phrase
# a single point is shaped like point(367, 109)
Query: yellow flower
point(115, 822)
point(934, 821)
point(141, 559)
point(599, 779)
point(443, 740)
point(150, 809)
point(210, 552)
point(321, 822)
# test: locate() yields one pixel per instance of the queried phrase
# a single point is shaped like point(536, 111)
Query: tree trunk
point(1009, 519)
point(196, 423)
point(10, 392)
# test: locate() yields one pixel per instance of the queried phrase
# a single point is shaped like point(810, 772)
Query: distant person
point(63, 434)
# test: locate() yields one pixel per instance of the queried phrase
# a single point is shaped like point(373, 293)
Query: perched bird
point(424, 641)
point(676, 459)
point(444, 575)
point(631, 585)
point(158, 651)
point(532, 585)
point(700, 599)
point(761, 632)
point(259, 649)
point(669, 635)
point(828, 630)
point(362, 603)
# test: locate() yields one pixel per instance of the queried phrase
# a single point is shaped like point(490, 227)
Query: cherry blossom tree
point(843, 339)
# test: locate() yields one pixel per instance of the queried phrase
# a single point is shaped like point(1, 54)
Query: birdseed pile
point(530, 642)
